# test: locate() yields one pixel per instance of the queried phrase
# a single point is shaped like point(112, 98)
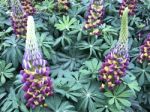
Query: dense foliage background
point(75, 58)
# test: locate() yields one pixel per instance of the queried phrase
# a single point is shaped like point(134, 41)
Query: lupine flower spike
point(28, 7)
point(145, 50)
point(18, 18)
point(37, 83)
point(116, 62)
point(20, 12)
point(131, 4)
point(94, 17)
point(63, 5)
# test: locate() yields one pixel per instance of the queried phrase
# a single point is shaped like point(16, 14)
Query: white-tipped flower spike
point(37, 83)
point(116, 62)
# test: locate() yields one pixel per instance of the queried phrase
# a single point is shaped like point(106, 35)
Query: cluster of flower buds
point(63, 5)
point(35, 76)
point(145, 50)
point(94, 17)
point(20, 12)
point(27, 7)
point(131, 4)
point(116, 62)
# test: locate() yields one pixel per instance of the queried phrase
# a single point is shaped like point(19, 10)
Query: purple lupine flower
point(20, 12)
point(131, 4)
point(145, 50)
point(18, 18)
point(116, 62)
point(94, 17)
point(28, 7)
point(35, 76)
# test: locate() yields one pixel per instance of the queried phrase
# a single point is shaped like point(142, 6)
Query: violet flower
point(145, 50)
point(94, 17)
point(37, 83)
point(28, 7)
point(116, 62)
point(20, 12)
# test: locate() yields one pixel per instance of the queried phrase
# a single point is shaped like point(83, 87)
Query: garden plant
point(74, 56)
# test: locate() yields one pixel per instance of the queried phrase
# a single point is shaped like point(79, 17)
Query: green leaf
point(3, 80)
point(127, 93)
point(111, 101)
point(108, 94)
point(66, 23)
point(125, 102)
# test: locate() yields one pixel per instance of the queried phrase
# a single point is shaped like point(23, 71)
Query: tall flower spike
point(20, 11)
point(145, 50)
point(18, 18)
point(94, 17)
point(116, 62)
point(131, 4)
point(28, 7)
point(35, 76)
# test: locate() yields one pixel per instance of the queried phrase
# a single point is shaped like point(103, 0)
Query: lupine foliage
point(75, 58)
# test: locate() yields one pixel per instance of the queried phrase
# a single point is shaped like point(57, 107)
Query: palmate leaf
point(119, 97)
point(76, 10)
point(57, 104)
point(6, 71)
point(90, 94)
point(142, 72)
point(67, 86)
point(65, 24)
point(47, 6)
point(13, 50)
point(2, 94)
point(78, 30)
point(130, 79)
point(12, 104)
point(46, 42)
point(90, 68)
point(92, 47)
point(69, 60)
point(144, 95)
point(108, 43)
point(64, 40)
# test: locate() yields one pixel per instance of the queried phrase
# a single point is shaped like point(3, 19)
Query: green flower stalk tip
point(123, 37)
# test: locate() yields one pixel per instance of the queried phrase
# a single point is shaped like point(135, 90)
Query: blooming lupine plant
point(20, 12)
point(94, 16)
point(116, 62)
point(63, 4)
point(145, 50)
point(131, 4)
point(37, 83)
